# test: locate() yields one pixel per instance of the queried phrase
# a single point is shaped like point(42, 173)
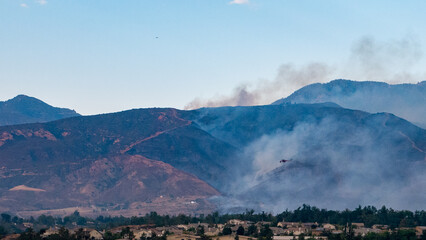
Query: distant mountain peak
point(25, 109)
point(21, 96)
point(24, 98)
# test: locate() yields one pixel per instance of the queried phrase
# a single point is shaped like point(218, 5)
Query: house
point(236, 222)
point(317, 231)
point(212, 231)
point(358, 225)
point(95, 235)
point(328, 226)
point(363, 231)
point(288, 224)
point(183, 237)
point(294, 237)
point(88, 232)
point(28, 225)
point(262, 223)
point(175, 230)
point(232, 237)
point(220, 226)
point(281, 224)
point(49, 232)
point(296, 230)
point(379, 226)
point(420, 230)
point(157, 231)
point(142, 233)
point(309, 225)
point(278, 231)
point(183, 227)
point(284, 237)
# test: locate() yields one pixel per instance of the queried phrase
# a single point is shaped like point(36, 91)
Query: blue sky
point(99, 56)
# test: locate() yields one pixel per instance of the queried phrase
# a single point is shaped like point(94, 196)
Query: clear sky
point(99, 56)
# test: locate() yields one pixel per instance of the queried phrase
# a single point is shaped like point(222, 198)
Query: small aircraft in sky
point(285, 160)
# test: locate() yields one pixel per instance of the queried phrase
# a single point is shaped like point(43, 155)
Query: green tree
point(252, 230)
point(81, 234)
point(63, 234)
point(423, 236)
point(2, 231)
point(240, 230)
point(109, 236)
point(46, 220)
point(6, 217)
point(29, 234)
point(265, 233)
point(125, 232)
point(204, 237)
point(226, 231)
point(200, 230)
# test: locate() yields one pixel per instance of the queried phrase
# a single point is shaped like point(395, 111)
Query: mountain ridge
point(220, 147)
point(169, 160)
point(405, 100)
point(23, 109)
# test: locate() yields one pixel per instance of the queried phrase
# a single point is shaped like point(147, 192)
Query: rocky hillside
point(108, 185)
point(120, 159)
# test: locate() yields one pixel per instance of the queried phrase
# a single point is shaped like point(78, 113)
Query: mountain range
point(227, 158)
point(404, 100)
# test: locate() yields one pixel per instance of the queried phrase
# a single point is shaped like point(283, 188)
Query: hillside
point(404, 100)
point(337, 157)
point(23, 109)
point(108, 160)
point(169, 160)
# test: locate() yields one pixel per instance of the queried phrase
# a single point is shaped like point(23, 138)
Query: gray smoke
point(288, 79)
point(333, 165)
point(390, 61)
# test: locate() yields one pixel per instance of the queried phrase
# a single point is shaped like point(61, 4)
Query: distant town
point(306, 222)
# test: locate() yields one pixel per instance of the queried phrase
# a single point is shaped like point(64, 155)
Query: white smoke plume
point(391, 61)
point(372, 60)
point(288, 79)
point(333, 165)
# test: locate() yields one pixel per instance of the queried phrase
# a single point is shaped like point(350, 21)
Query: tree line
point(368, 215)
